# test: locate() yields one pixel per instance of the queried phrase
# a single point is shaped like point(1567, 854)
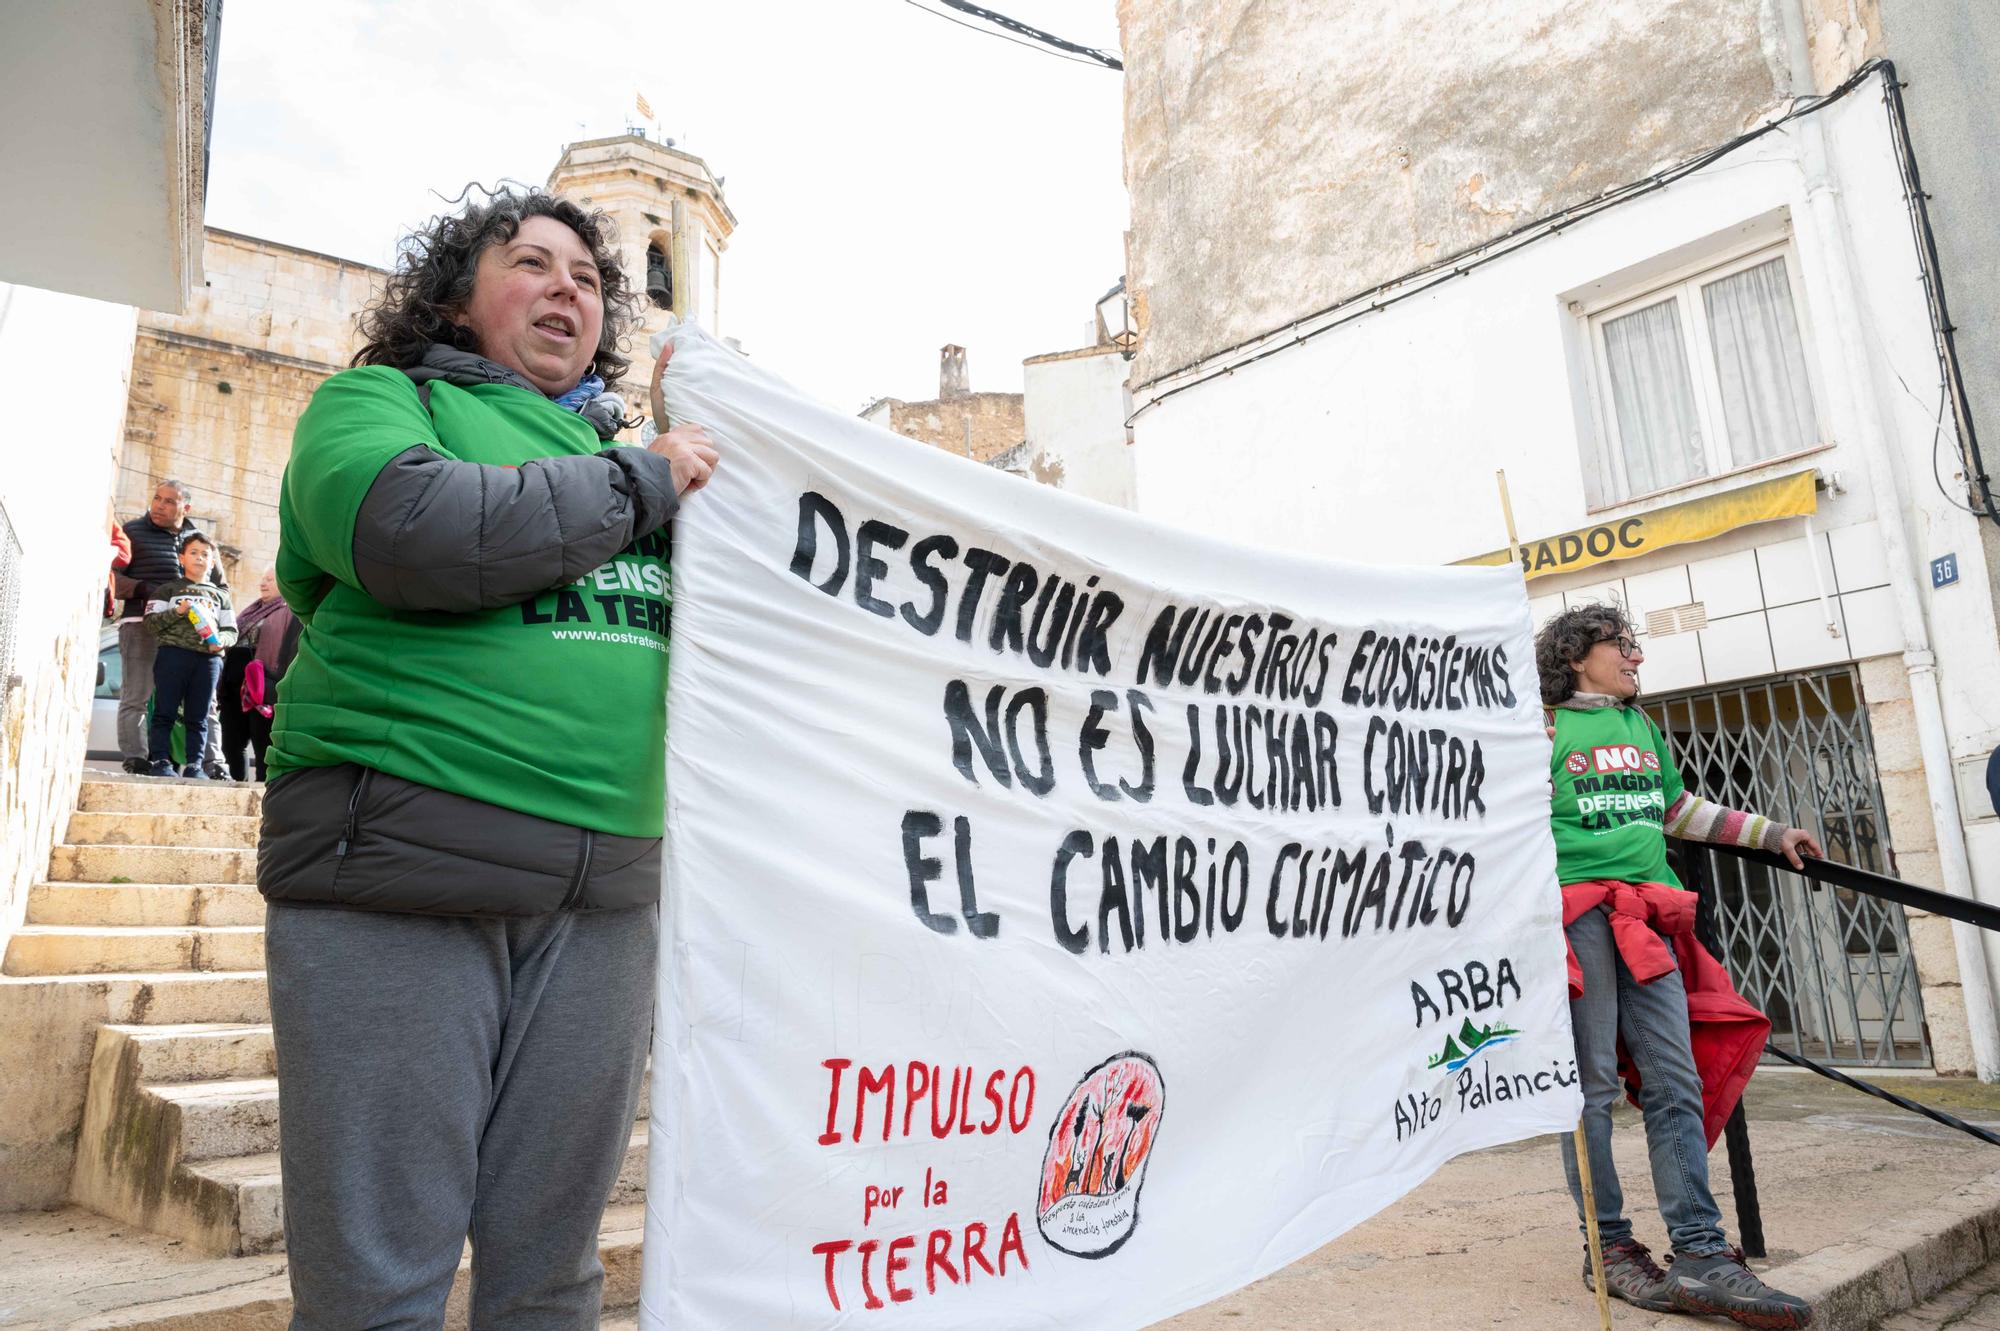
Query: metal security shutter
point(1832, 968)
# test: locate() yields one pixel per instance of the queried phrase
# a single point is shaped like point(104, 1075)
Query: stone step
point(238, 1116)
point(145, 904)
point(171, 997)
point(247, 1193)
point(213, 831)
point(223, 1119)
point(41, 949)
point(201, 1051)
point(173, 1148)
point(150, 864)
point(137, 794)
point(194, 1158)
point(190, 1294)
point(50, 1023)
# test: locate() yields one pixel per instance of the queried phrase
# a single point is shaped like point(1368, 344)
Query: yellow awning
point(1696, 520)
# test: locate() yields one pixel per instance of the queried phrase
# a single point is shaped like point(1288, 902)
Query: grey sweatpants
point(452, 1077)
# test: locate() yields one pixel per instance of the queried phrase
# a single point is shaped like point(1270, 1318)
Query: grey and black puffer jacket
point(435, 534)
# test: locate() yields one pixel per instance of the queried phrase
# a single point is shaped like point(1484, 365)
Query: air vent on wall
point(1677, 619)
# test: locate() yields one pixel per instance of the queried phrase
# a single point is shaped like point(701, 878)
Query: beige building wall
point(1282, 157)
point(980, 426)
point(216, 391)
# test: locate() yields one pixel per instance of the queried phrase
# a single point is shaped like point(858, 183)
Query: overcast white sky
point(899, 182)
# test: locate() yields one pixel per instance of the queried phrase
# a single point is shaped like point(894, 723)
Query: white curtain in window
point(1760, 366)
point(1659, 431)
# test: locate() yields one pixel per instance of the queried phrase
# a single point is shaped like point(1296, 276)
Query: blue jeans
point(182, 681)
point(1653, 1018)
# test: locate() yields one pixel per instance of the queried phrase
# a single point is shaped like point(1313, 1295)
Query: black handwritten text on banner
point(1067, 920)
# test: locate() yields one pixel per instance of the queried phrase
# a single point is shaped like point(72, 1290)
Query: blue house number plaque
point(1944, 570)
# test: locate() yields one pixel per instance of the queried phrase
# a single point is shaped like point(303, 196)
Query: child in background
point(188, 665)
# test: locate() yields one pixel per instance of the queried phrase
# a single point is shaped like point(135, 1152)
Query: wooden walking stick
point(1590, 1229)
point(1507, 512)
point(1582, 1146)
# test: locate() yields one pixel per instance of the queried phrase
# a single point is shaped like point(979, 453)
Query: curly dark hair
point(1568, 638)
point(435, 265)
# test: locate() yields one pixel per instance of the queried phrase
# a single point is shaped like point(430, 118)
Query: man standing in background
point(155, 537)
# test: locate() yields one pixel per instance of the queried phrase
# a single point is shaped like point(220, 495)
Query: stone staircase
point(153, 897)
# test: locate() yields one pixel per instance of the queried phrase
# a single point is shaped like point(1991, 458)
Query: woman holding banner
point(461, 841)
point(1635, 967)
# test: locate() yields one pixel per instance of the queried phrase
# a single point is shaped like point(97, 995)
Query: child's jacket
point(171, 622)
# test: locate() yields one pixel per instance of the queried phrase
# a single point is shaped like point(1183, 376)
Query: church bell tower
point(673, 226)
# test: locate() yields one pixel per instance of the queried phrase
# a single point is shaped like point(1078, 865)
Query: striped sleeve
point(1692, 818)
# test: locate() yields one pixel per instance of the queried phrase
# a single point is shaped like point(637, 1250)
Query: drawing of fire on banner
point(1096, 1162)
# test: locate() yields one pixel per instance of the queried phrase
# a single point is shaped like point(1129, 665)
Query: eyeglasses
point(1626, 647)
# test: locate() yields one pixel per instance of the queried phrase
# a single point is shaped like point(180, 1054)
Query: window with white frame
point(1703, 376)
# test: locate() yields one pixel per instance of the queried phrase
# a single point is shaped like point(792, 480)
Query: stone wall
point(216, 391)
point(54, 493)
point(997, 420)
point(219, 418)
point(1282, 157)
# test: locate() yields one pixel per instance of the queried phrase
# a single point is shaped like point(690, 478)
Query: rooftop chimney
point(951, 373)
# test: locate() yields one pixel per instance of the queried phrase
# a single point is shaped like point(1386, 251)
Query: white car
point(104, 703)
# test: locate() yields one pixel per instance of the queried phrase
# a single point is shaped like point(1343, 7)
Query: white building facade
point(115, 166)
point(1719, 400)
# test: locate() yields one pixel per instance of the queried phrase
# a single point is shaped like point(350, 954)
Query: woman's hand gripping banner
point(1068, 920)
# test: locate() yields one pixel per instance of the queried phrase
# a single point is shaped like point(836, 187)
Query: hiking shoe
point(218, 772)
point(1720, 1283)
point(161, 768)
point(138, 766)
point(1631, 1274)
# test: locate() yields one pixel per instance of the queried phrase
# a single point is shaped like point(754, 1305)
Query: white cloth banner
point(1067, 920)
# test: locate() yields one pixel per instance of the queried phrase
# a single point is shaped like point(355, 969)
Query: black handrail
point(1836, 874)
point(1819, 873)
point(1901, 1102)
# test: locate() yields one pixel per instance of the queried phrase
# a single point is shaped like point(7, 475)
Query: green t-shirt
point(1614, 782)
point(555, 707)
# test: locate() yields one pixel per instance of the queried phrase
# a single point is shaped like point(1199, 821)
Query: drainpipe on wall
point(1829, 220)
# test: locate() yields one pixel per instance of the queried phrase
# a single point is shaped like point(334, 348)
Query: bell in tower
point(668, 210)
point(659, 278)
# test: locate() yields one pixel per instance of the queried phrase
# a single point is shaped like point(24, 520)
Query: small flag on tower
point(645, 107)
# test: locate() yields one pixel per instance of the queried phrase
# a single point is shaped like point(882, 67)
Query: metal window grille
point(10, 603)
point(1832, 968)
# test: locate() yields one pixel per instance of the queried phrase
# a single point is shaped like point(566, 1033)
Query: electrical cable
point(1937, 437)
point(1104, 58)
point(205, 489)
point(990, 33)
point(179, 453)
point(1417, 281)
point(1942, 329)
point(1473, 257)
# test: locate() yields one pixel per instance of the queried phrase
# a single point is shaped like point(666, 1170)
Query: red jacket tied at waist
point(1726, 1032)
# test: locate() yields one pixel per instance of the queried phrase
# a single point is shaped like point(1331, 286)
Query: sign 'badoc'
point(1067, 920)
